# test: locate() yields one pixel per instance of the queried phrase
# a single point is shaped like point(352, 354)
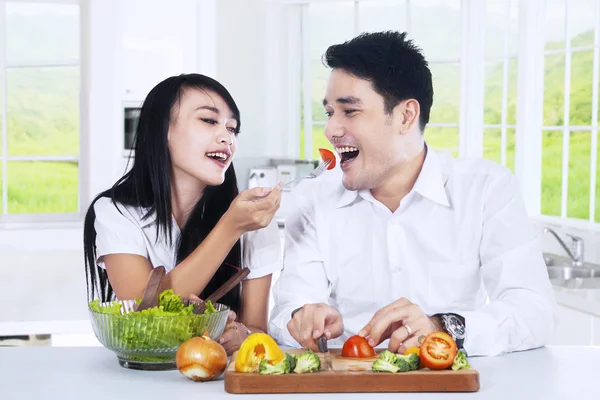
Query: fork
point(313, 174)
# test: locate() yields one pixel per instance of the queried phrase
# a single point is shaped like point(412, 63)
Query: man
point(411, 241)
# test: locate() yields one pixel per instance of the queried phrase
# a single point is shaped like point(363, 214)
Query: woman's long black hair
point(148, 185)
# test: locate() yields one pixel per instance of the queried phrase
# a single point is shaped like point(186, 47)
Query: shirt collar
point(431, 183)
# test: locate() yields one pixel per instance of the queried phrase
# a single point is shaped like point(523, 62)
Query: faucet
point(576, 252)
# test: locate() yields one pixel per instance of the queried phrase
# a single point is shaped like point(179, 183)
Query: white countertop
point(93, 373)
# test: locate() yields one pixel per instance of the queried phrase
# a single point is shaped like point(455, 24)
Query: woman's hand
point(253, 209)
point(234, 335)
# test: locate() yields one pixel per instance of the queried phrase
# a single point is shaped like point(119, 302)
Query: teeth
point(222, 156)
point(348, 149)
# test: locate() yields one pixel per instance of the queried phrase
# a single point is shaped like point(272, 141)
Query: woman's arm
point(251, 210)
point(128, 273)
point(254, 313)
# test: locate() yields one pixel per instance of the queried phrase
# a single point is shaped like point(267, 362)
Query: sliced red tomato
point(438, 351)
point(357, 347)
point(327, 155)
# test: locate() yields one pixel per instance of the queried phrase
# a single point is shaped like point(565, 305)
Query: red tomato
point(358, 347)
point(438, 351)
point(327, 155)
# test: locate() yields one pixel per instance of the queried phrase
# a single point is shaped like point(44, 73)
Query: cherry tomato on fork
point(327, 155)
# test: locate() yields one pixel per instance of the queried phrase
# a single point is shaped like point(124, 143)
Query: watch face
point(455, 325)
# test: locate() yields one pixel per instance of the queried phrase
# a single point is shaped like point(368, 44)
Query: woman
point(179, 207)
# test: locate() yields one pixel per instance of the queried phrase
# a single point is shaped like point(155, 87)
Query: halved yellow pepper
point(254, 349)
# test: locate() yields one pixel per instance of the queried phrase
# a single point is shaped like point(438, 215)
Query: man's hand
point(402, 322)
point(314, 320)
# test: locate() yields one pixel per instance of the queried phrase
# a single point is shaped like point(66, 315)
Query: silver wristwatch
point(455, 327)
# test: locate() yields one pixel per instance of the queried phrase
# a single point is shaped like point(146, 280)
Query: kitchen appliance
point(263, 176)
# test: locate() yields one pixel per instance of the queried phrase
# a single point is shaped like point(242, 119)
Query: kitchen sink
point(562, 273)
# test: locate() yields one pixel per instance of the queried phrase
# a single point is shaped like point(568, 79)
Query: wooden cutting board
point(350, 375)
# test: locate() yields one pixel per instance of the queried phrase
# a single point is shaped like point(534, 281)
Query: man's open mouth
point(347, 153)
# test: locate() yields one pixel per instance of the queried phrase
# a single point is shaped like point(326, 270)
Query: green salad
point(140, 331)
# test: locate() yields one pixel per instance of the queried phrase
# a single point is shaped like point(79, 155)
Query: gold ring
point(408, 329)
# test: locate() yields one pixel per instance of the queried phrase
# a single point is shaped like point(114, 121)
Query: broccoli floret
point(307, 362)
point(408, 362)
point(380, 365)
point(284, 366)
point(388, 356)
point(460, 361)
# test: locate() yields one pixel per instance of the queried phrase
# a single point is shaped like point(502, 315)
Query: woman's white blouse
point(123, 231)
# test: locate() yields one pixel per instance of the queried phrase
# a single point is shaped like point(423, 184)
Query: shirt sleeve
point(521, 312)
point(262, 251)
point(115, 232)
point(303, 279)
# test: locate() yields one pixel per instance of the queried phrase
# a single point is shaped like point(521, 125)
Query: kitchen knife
point(322, 346)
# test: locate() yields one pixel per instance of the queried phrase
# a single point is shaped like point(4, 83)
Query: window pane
point(435, 27)
point(442, 139)
point(319, 141)
point(41, 33)
point(42, 187)
point(318, 77)
point(511, 106)
point(330, 23)
point(581, 22)
point(578, 200)
point(380, 15)
point(43, 111)
point(494, 83)
point(551, 172)
point(555, 24)
point(581, 88)
point(492, 146)
point(499, 20)
point(510, 149)
point(446, 89)
point(554, 78)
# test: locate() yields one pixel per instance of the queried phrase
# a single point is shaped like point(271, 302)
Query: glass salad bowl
point(149, 339)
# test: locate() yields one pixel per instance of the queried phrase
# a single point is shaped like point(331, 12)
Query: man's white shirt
point(459, 242)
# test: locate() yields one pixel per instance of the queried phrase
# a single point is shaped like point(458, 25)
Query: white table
point(94, 373)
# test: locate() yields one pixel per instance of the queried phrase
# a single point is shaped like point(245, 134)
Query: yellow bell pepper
point(254, 349)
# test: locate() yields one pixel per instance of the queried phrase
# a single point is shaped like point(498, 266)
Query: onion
point(201, 359)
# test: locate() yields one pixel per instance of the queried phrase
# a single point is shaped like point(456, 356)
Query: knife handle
point(322, 344)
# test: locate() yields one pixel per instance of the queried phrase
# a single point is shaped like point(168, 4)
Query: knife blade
point(322, 346)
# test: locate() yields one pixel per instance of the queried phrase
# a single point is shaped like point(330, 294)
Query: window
point(570, 110)
point(39, 109)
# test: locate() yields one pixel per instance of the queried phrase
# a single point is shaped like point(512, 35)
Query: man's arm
point(521, 313)
point(303, 279)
